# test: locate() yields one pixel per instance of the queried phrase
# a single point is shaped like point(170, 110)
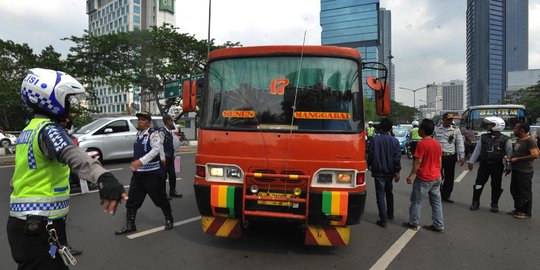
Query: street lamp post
point(414, 93)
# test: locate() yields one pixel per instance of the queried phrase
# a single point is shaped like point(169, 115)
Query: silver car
point(113, 137)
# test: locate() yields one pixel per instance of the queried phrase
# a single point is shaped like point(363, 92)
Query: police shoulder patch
point(56, 139)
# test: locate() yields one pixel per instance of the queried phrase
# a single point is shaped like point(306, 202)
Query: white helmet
point(498, 122)
point(415, 123)
point(48, 91)
point(370, 123)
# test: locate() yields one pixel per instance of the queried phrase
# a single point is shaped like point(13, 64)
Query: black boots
point(130, 222)
point(495, 195)
point(477, 192)
point(167, 212)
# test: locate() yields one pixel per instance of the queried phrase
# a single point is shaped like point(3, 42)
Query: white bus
point(474, 116)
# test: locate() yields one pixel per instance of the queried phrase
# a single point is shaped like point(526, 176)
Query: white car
point(113, 137)
point(7, 140)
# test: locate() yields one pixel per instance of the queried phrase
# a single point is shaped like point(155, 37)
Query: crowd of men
point(437, 149)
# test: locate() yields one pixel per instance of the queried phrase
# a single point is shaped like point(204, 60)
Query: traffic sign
point(172, 88)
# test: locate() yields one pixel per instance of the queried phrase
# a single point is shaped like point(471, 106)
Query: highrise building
point(352, 24)
point(113, 16)
point(497, 42)
point(385, 49)
point(452, 95)
point(434, 100)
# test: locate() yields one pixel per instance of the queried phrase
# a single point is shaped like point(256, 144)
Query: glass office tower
point(497, 37)
point(355, 24)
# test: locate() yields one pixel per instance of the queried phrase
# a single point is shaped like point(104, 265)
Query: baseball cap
point(448, 116)
point(146, 115)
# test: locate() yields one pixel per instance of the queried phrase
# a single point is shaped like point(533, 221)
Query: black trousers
point(171, 173)
point(31, 252)
point(150, 183)
point(521, 190)
point(448, 169)
point(485, 170)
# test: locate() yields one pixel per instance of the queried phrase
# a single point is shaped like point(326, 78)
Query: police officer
point(168, 149)
point(147, 175)
point(491, 150)
point(449, 136)
point(414, 135)
point(44, 156)
point(370, 130)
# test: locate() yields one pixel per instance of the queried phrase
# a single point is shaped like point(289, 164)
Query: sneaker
point(433, 228)
point(381, 223)
point(494, 208)
point(521, 216)
point(410, 226)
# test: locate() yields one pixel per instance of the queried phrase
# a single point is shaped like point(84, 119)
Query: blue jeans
point(385, 197)
point(420, 189)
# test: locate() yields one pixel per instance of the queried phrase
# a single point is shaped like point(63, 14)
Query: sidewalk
point(9, 159)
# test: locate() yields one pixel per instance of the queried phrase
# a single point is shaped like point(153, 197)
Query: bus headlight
point(224, 173)
point(335, 178)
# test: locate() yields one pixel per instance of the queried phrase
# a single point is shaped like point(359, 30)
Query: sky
point(428, 36)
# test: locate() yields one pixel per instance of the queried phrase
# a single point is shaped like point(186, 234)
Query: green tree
point(529, 97)
point(146, 59)
point(399, 113)
point(15, 60)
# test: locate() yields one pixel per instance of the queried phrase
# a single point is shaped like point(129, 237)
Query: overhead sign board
point(174, 88)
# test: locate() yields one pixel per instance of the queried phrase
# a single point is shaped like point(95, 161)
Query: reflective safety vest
point(414, 134)
point(40, 185)
point(370, 131)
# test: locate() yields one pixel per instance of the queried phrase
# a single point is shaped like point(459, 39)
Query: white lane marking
point(394, 250)
point(179, 178)
point(7, 166)
point(461, 176)
point(161, 228)
point(115, 169)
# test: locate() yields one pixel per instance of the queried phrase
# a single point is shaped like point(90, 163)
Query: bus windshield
point(510, 116)
point(259, 93)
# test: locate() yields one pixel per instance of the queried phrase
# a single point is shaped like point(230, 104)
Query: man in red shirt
point(427, 167)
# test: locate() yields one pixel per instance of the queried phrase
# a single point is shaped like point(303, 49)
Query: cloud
point(43, 23)
point(428, 42)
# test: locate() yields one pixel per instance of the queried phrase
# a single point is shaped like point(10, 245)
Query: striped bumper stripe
point(327, 235)
point(221, 227)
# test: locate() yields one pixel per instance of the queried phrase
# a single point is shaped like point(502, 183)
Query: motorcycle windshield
point(275, 93)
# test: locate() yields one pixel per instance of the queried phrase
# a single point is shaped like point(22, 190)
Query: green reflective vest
point(414, 134)
point(371, 131)
point(40, 185)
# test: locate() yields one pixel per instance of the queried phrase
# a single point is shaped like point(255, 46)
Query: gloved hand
point(110, 192)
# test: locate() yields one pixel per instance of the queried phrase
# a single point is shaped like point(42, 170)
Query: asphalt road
point(472, 240)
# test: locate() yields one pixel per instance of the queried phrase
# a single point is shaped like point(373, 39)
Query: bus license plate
point(277, 203)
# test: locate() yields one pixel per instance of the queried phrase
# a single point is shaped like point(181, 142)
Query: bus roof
point(284, 50)
point(499, 106)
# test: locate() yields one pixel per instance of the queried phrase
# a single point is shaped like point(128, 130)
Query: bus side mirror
point(189, 98)
point(382, 95)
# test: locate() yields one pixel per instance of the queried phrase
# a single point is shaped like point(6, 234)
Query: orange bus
point(282, 138)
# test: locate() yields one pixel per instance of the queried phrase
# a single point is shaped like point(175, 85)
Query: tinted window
point(116, 126)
